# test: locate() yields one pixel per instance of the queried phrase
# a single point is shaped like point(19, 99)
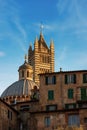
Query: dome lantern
point(25, 70)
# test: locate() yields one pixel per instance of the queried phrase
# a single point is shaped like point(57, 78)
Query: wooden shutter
point(46, 80)
point(50, 95)
point(70, 93)
point(74, 78)
point(83, 94)
point(66, 79)
point(54, 80)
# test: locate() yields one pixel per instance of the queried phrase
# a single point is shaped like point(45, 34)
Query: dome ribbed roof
point(25, 66)
point(19, 88)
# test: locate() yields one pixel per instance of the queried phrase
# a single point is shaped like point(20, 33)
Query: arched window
point(27, 73)
point(22, 73)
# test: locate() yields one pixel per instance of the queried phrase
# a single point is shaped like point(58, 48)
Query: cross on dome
point(26, 58)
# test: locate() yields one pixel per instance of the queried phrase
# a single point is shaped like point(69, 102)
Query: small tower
point(25, 70)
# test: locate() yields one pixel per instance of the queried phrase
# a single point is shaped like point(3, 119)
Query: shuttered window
point(51, 107)
point(70, 78)
point(47, 121)
point(70, 106)
point(73, 120)
point(84, 78)
point(50, 95)
point(83, 93)
point(50, 80)
point(70, 93)
point(54, 80)
point(46, 80)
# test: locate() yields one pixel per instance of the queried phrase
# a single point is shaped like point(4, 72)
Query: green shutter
point(70, 93)
point(83, 94)
point(50, 95)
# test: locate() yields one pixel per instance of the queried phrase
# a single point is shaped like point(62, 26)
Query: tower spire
point(26, 58)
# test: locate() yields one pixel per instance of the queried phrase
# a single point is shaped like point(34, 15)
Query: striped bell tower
point(41, 58)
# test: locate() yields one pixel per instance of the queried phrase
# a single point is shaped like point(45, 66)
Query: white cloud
point(9, 19)
point(20, 28)
point(2, 54)
point(61, 6)
point(74, 14)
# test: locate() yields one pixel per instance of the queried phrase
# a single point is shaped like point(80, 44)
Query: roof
point(25, 66)
point(19, 88)
point(9, 106)
point(42, 41)
point(72, 71)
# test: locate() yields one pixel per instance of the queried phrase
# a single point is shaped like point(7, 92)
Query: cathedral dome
point(19, 88)
point(23, 89)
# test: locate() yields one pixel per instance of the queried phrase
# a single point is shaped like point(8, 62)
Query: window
point(50, 95)
point(70, 78)
point(70, 106)
point(9, 128)
point(47, 121)
point(54, 80)
point(24, 107)
point(83, 93)
point(27, 73)
point(84, 78)
point(85, 120)
point(50, 80)
point(73, 120)
point(22, 73)
point(70, 93)
point(51, 107)
point(46, 80)
point(9, 115)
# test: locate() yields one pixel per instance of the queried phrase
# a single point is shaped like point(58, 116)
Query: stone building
point(49, 101)
point(41, 58)
point(8, 117)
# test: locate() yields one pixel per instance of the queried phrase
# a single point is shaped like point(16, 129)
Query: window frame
point(73, 120)
point(85, 78)
point(70, 78)
point(47, 121)
point(50, 80)
point(51, 107)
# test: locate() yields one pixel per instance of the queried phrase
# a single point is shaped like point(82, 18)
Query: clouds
point(2, 54)
point(73, 12)
point(10, 25)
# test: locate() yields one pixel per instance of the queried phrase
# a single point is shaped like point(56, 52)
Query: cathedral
point(43, 99)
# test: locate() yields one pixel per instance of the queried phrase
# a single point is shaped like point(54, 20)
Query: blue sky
point(64, 21)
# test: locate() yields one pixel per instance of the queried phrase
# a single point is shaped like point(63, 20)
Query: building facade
point(58, 102)
point(8, 117)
